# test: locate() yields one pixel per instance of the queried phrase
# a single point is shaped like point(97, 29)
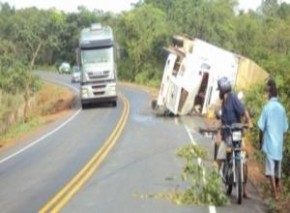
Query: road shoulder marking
point(212, 209)
point(40, 139)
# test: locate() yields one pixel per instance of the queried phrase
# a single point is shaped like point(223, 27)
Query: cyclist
point(233, 111)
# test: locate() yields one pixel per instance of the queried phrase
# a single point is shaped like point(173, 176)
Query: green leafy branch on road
point(204, 183)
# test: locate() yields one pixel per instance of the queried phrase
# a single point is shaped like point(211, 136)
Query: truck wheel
point(154, 104)
point(114, 103)
point(84, 105)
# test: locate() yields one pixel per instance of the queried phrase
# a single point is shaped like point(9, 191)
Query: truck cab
point(98, 82)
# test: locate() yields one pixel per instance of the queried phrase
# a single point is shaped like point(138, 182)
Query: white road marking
point(48, 134)
point(190, 135)
point(41, 138)
point(212, 209)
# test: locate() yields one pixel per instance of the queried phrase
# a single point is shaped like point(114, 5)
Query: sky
point(71, 5)
point(105, 5)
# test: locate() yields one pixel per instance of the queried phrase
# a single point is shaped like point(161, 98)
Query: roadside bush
point(150, 76)
point(204, 182)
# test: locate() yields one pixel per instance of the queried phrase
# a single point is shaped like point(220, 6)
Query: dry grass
point(52, 99)
point(51, 103)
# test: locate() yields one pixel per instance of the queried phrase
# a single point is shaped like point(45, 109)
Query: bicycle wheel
point(229, 178)
point(239, 183)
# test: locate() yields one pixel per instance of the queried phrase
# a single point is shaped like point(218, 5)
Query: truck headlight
point(85, 92)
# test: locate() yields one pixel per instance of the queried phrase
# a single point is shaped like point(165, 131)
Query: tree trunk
point(31, 65)
point(29, 82)
point(26, 102)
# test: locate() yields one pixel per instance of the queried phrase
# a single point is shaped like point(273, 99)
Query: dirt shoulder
point(52, 102)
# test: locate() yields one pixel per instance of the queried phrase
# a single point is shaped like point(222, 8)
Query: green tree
point(164, 5)
point(34, 31)
point(249, 37)
point(141, 30)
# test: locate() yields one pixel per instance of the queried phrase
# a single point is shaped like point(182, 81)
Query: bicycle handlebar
point(235, 126)
point(214, 130)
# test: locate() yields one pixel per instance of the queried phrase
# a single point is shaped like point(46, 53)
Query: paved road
point(32, 177)
point(143, 162)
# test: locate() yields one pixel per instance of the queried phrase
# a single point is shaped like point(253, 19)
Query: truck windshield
point(104, 55)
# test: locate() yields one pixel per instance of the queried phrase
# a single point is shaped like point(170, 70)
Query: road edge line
point(212, 209)
point(40, 139)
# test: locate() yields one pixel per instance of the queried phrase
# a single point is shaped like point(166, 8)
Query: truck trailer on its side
point(97, 59)
point(191, 72)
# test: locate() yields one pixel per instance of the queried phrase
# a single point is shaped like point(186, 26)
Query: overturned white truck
point(191, 72)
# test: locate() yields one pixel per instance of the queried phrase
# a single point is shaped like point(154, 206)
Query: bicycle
point(234, 164)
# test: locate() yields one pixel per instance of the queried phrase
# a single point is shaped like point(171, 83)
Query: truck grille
point(98, 86)
point(98, 75)
point(99, 93)
point(101, 82)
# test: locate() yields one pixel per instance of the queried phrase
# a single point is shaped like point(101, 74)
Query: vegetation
point(204, 184)
point(33, 37)
point(50, 100)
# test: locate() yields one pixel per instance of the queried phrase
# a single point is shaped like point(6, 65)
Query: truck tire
point(154, 104)
point(84, 106)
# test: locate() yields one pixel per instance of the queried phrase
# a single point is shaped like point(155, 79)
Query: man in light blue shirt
point(273, 125)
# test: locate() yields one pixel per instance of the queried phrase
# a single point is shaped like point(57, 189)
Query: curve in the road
point(61, 198)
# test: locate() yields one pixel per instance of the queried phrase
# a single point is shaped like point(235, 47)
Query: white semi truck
point(97, 59)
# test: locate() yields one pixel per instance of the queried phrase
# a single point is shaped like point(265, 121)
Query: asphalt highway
point(104, 159)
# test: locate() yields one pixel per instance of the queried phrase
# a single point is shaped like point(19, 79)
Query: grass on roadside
point(50, 100)
point(20, 128)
